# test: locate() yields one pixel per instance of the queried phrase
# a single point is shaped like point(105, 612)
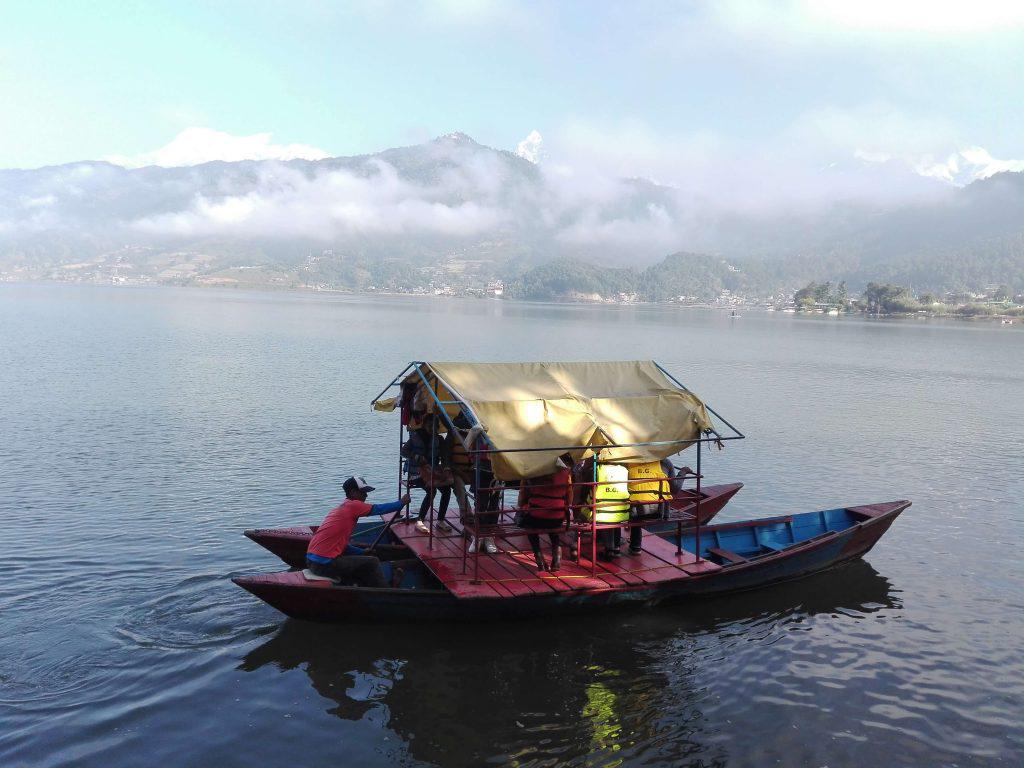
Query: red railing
point(572, 511)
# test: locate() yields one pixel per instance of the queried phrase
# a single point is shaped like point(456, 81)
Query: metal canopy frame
point(467, 411)
point(487, 446)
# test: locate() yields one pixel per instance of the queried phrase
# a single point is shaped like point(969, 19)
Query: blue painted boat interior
point(417, 577)
point(752, 541)
point(366, 531)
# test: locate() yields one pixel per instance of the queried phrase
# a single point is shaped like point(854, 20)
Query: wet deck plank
point(513, 572)
point(686, 562)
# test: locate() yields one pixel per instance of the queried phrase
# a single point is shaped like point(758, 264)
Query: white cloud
point(871, 129)
point(194, 146)
point(880, 134)
point(811, 163)
point(460, 15)
point(656, 229)
point(928, 16)
point(40, 202)
point(468, 11)
point(287, 203)
point(630, 148)
point(804, 21)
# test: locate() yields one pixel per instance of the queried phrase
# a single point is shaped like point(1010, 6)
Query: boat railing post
point(696, 509)
point(431, 492)
point(475, 527)
point(466, 521)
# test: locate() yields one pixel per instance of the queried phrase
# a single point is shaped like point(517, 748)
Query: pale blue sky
point(655, 88)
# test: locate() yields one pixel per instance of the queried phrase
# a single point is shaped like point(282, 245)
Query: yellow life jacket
point(612, 495)
point(656, 488)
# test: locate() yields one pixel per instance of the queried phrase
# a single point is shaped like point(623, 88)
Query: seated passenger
point(544, 501)
point(325, 555)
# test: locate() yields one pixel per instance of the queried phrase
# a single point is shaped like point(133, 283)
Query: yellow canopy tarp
point(549, 406)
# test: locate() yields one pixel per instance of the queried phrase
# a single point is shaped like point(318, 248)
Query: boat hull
point(293, 595)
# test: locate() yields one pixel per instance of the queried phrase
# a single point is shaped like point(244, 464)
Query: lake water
point(141, 430)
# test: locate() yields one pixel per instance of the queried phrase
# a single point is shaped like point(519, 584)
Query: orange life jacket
point(546, 496)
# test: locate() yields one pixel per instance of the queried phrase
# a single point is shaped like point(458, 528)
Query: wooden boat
point(525, 423)
point(733, 557)
point(290, 544)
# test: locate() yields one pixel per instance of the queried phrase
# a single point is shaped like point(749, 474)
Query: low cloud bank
point(194, 146)
point(287, 203)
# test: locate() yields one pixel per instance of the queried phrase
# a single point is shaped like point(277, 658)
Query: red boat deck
point(513, 571)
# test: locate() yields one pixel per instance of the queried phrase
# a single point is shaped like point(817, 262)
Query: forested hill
point(682, 274)
point(996, 262)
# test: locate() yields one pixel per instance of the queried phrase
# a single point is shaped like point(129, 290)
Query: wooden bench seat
point(727, 555)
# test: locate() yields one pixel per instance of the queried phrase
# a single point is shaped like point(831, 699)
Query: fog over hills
point(368, 219)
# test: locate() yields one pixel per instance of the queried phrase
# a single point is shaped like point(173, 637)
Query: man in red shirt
point(325, 555)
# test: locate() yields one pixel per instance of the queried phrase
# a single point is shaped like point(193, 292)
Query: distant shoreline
point(306, 290)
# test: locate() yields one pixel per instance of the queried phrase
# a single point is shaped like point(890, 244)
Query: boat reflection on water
point(556, 691)
point(855, 586)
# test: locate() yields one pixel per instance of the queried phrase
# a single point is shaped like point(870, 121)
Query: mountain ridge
point(455, 200)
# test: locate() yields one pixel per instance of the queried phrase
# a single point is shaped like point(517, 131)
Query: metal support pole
point(401, 440)
point(710, 410)
point(593, 522)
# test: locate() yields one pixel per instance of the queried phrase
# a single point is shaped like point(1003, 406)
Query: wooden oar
point(384, 530)
point(395, 516)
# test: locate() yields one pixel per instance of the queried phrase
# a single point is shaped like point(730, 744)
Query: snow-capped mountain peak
point(456, 137)
point(960, 168)
point(532, 148)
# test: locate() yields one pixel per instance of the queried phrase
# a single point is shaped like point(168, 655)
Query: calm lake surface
point(141, 430)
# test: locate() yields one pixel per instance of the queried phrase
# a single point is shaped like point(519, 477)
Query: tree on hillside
point(821, 294)
point(886, 298)
point(804, 298)
point(842, 296)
